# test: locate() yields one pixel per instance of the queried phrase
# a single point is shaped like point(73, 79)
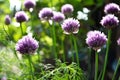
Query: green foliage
point(65, 72)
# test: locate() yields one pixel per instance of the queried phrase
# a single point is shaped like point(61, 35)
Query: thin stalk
point(30, 64)
point(54, 40)
point(118, 64)
point(76, 50)
point(72, 48)
point(89, 63)
point(6, 32)
point(21, 28)
point(107, 51)
point(11, 37)
point(38, 54)
point(51, 35)
point(62, 42)
point(100, 75)
point(15, 54)
point(96, 65)
point(31, 14)
point(9, 30)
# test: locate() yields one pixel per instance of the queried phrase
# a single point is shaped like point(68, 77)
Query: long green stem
point(107, 51)
point(96, 65)
point(15, 53)
point(76, 50)
point(99, 77)
point(72, 48)
point(21, 28)
point(6, 32)
point(54, 40)
point(89, 64)
point(62, 42)
point(118, 64)
point(31, 14)
point(51, 35)
point(9, 30)
point(38, 54)
point(30, 64)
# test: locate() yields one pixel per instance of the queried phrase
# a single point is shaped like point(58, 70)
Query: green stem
point(62, 42)
point(15, 54)
point(76, 50)
point(30, 64)
point(96, 65)
point(107, 51)
point(31, 14)
point(10, 34)
point(51, 35)
point(89, 64)
point(72, 48)
point(38, 54)
point(100, 75)
point(54, 40)
point(6, 33)
point(9, 31)
point(118, 64)
point(21, 28)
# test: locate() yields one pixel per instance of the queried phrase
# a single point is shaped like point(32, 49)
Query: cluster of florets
point(67, 9)
point(46, 13)
point(27, 45)
point(109, 21)
point(96, 39)
point(29, 4)
point(70, 26)
point(21, 16)
point(111, 8)
point(58, 17)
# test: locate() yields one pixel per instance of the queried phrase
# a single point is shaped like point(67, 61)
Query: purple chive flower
point(21, 16)
point(70, 25)
point(29, 4)
point(109, 21)
point(27, 45)
point(118, 41)
point(111, 8)
point(58, 17)
point(7, 20)
point(46, 13)
point(67, 9)
point(96, 39)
